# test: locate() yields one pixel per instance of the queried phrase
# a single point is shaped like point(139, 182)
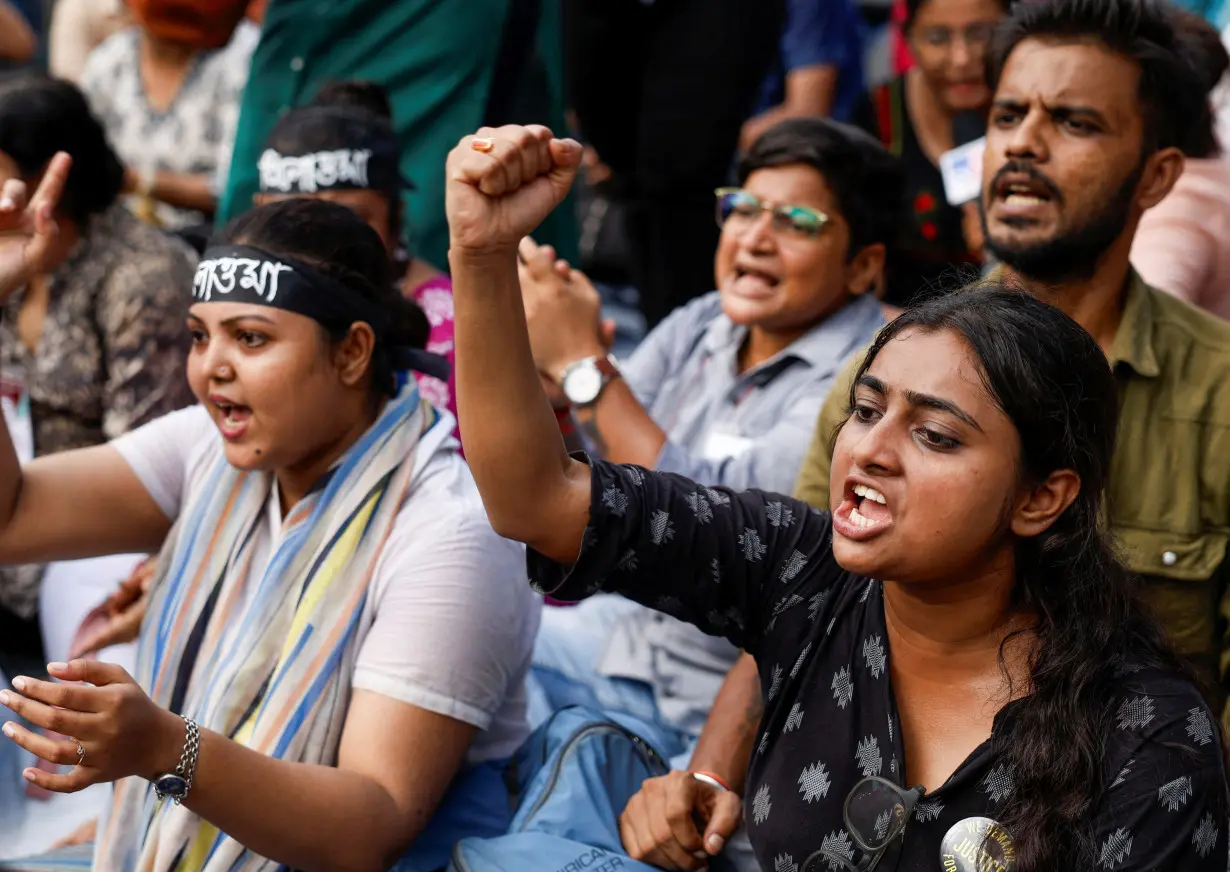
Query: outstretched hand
point(120, 729)
point(501, 184)
point(28, 228)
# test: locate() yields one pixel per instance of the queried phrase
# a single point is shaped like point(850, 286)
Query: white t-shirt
point(455, 617)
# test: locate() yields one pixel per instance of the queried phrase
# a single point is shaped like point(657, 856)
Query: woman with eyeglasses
point(726, 390)
point(959, 624)
point(939, 104)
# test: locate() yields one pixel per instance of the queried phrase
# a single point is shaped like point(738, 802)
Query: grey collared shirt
point(741, 430)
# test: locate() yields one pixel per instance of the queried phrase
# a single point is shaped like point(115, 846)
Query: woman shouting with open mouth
point(956, 671)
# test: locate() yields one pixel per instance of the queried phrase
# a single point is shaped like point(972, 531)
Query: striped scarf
point(264, 659)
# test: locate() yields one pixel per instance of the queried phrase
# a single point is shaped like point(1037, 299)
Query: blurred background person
point(1183, 243)
point(77, 28)
point(349, 123)
point(18, 38)
point(449, 68)
point(939, 103)
point(819, 70)
point(167, 91)
point(668, 122)
point(95, 346)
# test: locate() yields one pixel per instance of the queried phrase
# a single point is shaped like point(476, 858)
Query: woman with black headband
point(342, 148)
point(331, 668)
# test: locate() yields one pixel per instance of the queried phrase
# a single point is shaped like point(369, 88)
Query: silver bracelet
point(175, 785)
point(710, 780)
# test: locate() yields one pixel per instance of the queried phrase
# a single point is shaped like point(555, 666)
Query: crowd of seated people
point(902, 543)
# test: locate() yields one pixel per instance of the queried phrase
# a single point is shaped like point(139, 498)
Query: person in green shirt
point(449, 68)
point(1086, 133)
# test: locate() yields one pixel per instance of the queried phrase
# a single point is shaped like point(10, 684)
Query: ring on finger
point(80, 754)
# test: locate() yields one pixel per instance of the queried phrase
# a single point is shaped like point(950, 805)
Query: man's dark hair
point(40, 116)
point(1208, 56)
point(865, 179)
point(1173, 94)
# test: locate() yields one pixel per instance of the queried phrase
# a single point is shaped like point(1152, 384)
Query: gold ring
point(80, 754)
point(481, 144)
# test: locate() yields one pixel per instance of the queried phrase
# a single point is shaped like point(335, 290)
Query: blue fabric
point(477, 805)
point(12, 786)
point(566, 672)
point(75, 858)
point(820, 33)
point(573, 777)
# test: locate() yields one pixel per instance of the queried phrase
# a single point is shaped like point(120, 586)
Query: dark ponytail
point(333, 240)
point(1052, 380)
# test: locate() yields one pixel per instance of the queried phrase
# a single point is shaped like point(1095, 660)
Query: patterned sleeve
point(1166, 808)
point(726, 561)
point(141, 313)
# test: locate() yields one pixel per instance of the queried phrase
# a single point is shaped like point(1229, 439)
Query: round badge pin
point(977, 844)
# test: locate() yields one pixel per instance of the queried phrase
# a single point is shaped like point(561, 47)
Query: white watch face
point(582, 384)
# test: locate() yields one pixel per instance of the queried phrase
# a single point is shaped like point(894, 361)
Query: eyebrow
point(231, 322)
point(925, 401)
point(1061, 110)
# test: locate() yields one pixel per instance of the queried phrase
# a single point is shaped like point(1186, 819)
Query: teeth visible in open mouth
point(857, 518)
point(870, 493)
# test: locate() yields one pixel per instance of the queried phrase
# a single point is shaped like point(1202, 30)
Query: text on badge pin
point(977, 844)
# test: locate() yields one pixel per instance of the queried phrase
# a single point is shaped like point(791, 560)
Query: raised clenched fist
point(502, 182)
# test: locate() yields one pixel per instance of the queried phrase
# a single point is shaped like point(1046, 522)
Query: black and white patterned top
point(195, 134)
point(759, 569)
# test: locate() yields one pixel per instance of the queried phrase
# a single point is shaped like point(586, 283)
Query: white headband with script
point(342, 168)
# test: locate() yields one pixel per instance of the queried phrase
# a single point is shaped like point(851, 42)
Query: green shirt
point(437, 60)
point(1169, 496)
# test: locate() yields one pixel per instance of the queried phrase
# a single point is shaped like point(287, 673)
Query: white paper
point(720, 446)
point(962, 172)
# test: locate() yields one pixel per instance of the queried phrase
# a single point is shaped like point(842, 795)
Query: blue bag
point(571, 781)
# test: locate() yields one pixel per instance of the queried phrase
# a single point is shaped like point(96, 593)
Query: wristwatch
point(583, 381)
point(175, 785)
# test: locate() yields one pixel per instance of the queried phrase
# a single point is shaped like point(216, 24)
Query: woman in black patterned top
point(959, 623)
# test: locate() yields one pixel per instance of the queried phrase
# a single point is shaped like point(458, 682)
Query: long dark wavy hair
point(1053, 382)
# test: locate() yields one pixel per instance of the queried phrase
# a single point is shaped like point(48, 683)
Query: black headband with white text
point(243, 274)
point(331, 148)
point(339, 169)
